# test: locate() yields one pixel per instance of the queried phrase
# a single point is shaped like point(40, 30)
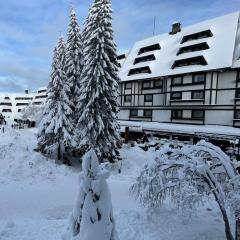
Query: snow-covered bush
point(33, 113)
point(187, 175)
point(92, 216)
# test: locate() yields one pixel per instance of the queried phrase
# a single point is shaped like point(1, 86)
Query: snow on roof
point(218, 56)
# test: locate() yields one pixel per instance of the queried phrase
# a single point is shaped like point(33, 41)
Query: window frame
point(177, 84)
point(177, 110)
point(132, 115)
point(125, 97)
point(125, 85)
point(157, 80)
point(236, 113)
point(197, 118)
point(171, 96)
point(197, 82)
point(147, 101)
point(197, 91)
point(144, 82)
point(145, 115)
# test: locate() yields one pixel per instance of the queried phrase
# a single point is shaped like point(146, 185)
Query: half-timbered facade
point(188, 76)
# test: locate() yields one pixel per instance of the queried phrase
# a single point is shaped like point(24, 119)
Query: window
point(197, 114)
point(145, 59)
point(148, 98)
point(195, 36)
point(42, 91)
point(133, 113)
point(237, 114)
point(176, 95)
point(5, 104)
point(177, 80)
point(146, 85)
point(139, 70)
point(147, 113)
point(128, 85)
point(120, 57)
point(19, 110)
point(149, 48)
point(37, 103)
point(238, 93)
point(198, 94)
point(7, 98)
point(128, 98)
point(158, 83)
point(193, 48)
point(200, 60)
point(199, 78)
point(6, 110)
point(43, 96)
point(22, 104)
point(177, 114)
point(23, 98)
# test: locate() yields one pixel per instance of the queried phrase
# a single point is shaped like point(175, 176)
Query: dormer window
point(150, 48)
point(145, 59)
point(139, 70)
point(196, 36)
point(120, 57)
point(193, 48)
point(190, 61)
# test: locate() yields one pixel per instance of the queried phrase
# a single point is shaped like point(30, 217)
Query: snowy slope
point(36, 199)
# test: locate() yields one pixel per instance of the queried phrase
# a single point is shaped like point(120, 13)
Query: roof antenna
point(154, 25)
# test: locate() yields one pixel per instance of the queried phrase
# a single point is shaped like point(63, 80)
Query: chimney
point(176, 27)
point(26, 91)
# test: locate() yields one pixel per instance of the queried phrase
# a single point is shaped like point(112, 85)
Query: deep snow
point(37, 195)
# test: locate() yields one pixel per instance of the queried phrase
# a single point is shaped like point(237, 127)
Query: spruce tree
point(74, 57)
point(98, 98)
point(56, 130)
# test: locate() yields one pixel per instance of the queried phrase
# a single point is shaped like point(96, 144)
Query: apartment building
point(189, 76)
point(11, 104)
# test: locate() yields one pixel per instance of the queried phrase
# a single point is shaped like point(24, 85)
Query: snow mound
point(19, 161)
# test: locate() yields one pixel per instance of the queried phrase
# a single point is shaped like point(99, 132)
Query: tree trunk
point(59, 151)
point(228, 232)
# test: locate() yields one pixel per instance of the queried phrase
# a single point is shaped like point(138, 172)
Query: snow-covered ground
point(37, 195)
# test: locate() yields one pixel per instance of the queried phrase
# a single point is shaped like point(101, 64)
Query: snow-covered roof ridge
point(219, 42)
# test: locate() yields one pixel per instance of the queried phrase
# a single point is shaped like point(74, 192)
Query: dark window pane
point(199, 78)
point(148, 98)
point(177, 81)
point(198, 95)
point(128, 98)
point(146, 85)
point(177, 114)
point(196, 114)
point(147, 113)
point(237, 114)
point(238, 93)
point(133, 112)
point(128, 85)
point(158, 83)
point(176, 95)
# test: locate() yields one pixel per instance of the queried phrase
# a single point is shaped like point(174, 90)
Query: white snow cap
point(90, 164)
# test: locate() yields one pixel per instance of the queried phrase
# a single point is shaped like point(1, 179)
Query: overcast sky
point(29, 30)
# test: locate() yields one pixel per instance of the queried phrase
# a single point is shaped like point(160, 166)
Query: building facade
point(188, 76)
point(11, 104)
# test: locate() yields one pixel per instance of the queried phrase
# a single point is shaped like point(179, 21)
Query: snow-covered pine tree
point(74, 57)
point(56, 130)
point(92, 217)
point(98, 100)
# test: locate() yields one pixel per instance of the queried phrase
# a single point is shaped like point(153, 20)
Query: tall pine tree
point(74, 57)
point(56, 130)
point(98, 100)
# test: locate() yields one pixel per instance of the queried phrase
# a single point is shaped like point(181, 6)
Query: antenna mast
point(154, 25)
